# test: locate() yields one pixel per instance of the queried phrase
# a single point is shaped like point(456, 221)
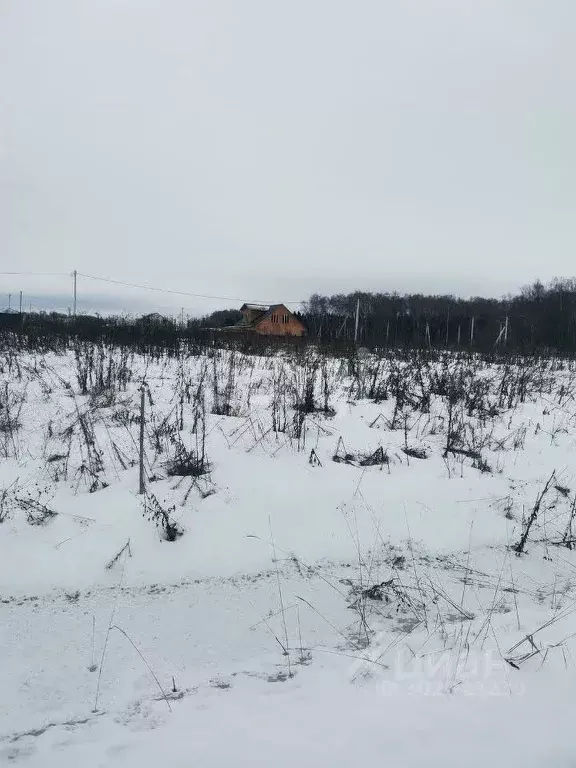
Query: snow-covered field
point(371, 560)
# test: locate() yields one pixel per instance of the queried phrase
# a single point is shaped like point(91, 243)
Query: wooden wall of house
point(280, 328)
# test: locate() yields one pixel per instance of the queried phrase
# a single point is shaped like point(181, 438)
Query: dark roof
point(256, 307)
point(153, 317)
point(245, 323)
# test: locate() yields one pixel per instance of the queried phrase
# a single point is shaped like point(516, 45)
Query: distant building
point(154, 318)
point(274, 320)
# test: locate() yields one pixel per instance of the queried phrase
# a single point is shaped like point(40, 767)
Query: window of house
point(274, 318)
point(284, 318)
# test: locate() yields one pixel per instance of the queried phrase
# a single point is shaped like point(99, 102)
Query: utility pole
point(9, 302)
point(472, 331)
point(142, 486)
point(357, 319)
point(75, 276)
point(20, 302)
point(506, 331)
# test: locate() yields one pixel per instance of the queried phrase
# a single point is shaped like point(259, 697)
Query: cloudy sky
point(267, 149)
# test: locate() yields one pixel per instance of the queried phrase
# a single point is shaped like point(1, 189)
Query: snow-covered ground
point(344, 586)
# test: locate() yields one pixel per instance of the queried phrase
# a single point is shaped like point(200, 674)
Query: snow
point(320, 720)
point(275, 553)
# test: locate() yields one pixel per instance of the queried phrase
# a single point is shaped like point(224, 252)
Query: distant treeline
point(52, 330)
point(541, 318)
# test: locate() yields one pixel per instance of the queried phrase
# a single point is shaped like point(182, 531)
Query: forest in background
point(540, 318)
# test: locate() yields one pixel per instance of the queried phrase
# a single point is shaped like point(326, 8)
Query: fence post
point(142, 488)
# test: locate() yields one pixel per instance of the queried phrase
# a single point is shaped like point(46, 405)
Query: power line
point(146, 287)
point(179, 293)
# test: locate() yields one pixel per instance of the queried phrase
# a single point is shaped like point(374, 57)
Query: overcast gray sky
point(266, 149)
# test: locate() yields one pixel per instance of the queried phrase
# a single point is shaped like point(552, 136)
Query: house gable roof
point(260, 312)
point(270, 311)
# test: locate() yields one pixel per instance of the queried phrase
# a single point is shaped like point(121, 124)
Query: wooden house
point(274, 320)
